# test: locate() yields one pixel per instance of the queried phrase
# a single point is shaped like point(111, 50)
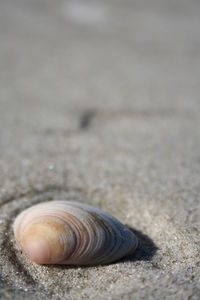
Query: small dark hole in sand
point(86, 119)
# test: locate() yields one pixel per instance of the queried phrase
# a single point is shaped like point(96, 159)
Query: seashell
point(72, 233)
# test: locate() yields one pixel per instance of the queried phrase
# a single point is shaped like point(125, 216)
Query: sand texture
point(100, 103)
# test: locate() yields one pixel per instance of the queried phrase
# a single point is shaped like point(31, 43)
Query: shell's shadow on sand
point(146, 247)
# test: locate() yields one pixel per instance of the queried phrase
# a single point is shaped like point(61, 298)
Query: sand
point(99, 103)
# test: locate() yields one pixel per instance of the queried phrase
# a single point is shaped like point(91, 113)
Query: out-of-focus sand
point(99, 102)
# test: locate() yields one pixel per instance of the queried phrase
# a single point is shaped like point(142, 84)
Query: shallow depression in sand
point(79, 282)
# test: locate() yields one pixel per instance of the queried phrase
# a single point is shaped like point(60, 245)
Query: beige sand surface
point(100, 103)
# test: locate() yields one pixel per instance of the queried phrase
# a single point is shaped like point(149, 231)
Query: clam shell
point(72, 233)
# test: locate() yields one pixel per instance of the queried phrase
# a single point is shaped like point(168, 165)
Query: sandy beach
point(99, 103)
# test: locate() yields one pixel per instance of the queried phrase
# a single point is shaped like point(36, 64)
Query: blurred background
point(59, 59)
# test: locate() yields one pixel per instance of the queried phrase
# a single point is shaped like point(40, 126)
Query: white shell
point(65, 232)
